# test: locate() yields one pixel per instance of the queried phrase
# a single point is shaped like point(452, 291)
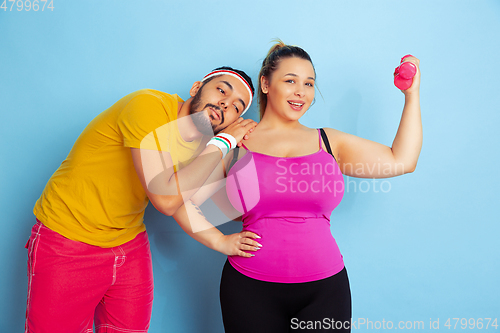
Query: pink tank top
point(288, 202)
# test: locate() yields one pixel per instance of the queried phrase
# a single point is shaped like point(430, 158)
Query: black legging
point(255, 306)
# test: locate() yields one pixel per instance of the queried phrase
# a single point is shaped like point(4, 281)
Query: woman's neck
point(271, 120)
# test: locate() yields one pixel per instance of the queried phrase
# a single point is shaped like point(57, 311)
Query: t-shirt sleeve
point(140, 121)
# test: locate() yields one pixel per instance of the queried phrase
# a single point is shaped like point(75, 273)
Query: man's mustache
point(216, 107)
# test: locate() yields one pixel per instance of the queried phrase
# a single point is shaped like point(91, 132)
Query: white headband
point(236, 75)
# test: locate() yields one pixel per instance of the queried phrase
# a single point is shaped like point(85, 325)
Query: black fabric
point(249, 305)
point(235, 157)
point(327, 143)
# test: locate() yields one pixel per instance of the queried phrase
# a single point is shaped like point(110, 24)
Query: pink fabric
point(288, 202)
point(73, 284)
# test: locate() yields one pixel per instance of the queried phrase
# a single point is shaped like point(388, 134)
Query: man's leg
point(66, 281)
point(127, 304)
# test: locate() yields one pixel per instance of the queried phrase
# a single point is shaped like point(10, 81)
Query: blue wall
point(426, 249)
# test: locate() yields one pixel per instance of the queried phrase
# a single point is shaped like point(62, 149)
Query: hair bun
point(278, 44)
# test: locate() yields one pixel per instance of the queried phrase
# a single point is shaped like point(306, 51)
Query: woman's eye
point(237, 110)
point(290, 81)
point(309, 84)
point(222, 91)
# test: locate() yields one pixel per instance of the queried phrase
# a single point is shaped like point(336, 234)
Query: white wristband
point(223, 146)
point(231, 139)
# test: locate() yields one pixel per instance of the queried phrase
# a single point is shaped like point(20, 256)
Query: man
point(88, 255)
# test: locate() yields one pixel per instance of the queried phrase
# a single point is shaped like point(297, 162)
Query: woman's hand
point(415, 87)
point(237, 244)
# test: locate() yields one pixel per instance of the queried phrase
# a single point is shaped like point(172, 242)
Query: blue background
point(426, 249)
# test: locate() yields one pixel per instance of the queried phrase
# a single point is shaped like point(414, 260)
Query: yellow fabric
point(95, 196)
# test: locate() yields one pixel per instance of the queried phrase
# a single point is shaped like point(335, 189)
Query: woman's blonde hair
point(278, 52)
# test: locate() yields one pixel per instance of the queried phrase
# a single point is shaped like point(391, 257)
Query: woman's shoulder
point(335, 140)
point(333, 133)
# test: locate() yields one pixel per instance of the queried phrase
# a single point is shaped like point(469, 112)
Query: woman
point(284, 271)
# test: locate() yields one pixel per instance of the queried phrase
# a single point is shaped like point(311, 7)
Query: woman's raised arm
point(358, 157)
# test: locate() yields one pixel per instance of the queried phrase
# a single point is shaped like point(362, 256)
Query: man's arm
point(168, 190)
point(193, 222)
point(163, 186)
point(215, 188)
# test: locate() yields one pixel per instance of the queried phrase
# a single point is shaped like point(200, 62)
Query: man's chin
point(202, 122)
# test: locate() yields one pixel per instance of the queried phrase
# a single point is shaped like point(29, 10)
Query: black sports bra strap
point(235, 157)
point(327, 143)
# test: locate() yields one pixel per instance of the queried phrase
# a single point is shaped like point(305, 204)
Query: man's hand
point(240, 129)
point(237, 244)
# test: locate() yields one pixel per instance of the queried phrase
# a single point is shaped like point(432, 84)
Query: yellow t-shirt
point(95, 196)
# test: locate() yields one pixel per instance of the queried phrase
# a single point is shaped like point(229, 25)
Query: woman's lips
point(296, 105)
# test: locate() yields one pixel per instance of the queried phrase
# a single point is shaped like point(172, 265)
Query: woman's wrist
point(412, 95)
point(218, 243)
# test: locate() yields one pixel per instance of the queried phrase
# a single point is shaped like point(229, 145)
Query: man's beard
point(199, 117)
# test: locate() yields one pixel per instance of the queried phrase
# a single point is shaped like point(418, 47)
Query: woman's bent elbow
point(410, 168)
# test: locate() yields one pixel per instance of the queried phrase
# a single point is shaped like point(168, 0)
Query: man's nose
point(223, 104)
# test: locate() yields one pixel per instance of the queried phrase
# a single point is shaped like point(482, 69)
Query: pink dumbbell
point(404, 73)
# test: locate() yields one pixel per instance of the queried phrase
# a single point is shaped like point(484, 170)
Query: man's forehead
point(234, 84)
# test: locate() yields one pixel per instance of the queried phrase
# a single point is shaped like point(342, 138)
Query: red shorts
point(73, 285)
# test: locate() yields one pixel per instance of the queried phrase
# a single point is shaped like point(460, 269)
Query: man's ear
point(264, 84)
point(194, 89)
